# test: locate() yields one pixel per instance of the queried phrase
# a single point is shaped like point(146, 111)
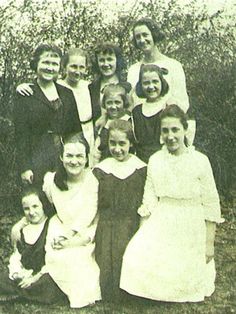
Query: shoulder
point(63, 90)
point(48, 181)
point(134, 67)
point(172, 63)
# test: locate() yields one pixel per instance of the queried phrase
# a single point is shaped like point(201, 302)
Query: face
point(74, 158)
point(48, 66)
point(114, 106)
point(33, 209)
point(75, 68)
point(119, 145)
point(173, 134)
point(107, 64)
point(143, 38)
point(151, 85)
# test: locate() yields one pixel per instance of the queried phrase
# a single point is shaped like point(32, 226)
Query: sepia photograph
point(117, 156)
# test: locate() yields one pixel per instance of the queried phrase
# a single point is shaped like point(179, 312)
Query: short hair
point(119, 89)
point(73, 52)
point(109, 48)
point(40, 50)
point(61, 175)
point(36, 190)
point(123, 126)
point(152, 68)
point(174, 111)
point(154, 28)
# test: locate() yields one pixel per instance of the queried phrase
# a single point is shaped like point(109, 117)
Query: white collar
point(121, 169)
point(125, 117)
point(151, 109)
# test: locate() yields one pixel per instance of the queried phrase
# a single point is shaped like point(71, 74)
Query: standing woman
point(146, 37)
point(108, 65)
point(41, 118)
point(171, 257)
point(70, 242)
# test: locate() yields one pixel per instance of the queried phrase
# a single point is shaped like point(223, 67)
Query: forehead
point(77, 59)
point(49, 55)
point(150, 75)
point(106, 54)
point(118, 135)
point(114, 95)
point(139, 29)
point(74, 148)
point(30, 199)
point(170, 122)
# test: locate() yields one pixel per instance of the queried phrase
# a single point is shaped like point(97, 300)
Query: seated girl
point(28, 277)
point(115, 103)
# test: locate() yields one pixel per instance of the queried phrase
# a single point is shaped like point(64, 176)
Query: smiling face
point(143, 38)
point(75, 68)
point(151, 85)
point(114, 106)
point(33, 209)
point(173, 134)
point(74, 159)
point(119, 145)
point(107, 64)
point(48, 66)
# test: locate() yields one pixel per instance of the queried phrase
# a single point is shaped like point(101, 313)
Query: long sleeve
point(209, 195)
point(150, 200)
point(22, 134)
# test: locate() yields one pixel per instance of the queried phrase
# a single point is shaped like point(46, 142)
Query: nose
point(74, 160)
point(31, 211)
point(117, 148)
point(170, 135)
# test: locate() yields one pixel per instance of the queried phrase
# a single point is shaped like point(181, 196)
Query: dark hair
point(123, 126)
point(73, 52)
point(35, 189)
point(60, 178)
point(119, 89)
point(109, 48)
point(152, 68)
point(40, 50)
point(155, 30)
point(174, 111)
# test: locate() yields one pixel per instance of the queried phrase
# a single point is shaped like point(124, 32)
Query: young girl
point(121, 182)
point(115, 103)
point(146, 116)
point(171, 257)
point(28, 277)
point(70, 243)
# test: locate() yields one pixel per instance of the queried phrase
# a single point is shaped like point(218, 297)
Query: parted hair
point(60, 178)
point(123, 126)
point(154, 28)
point(120, 89)
point(72, 52)
point(152, 68)
point(174, 111)
point(54, 50)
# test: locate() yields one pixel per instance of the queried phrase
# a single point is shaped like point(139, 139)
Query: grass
point(222, 301)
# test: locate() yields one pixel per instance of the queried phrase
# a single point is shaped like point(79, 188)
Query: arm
point(16, 229)
point(210, 239)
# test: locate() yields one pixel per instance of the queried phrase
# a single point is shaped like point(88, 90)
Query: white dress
point(74, 269)
point(165, 260)
point(175, 79)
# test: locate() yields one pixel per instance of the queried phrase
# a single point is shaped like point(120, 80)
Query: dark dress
point(94, 90)
point(118, 202)
point(33, 257)
point(39, 124)
point(147, 133)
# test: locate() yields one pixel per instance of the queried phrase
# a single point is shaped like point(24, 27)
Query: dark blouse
point(33, 255)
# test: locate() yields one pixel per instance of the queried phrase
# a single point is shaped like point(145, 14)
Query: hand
point(24, 89)
point(28, 281)
point(57, 242)
point(16, 230)
point(210, 250)
point(27, 176)
point(143, 211)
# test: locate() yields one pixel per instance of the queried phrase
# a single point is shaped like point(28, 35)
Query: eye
point(101, 60)
point(112, 143)
point(156, 81)
point(175, 130)
point(164, 130)
point(81, 67)
point(122, 143)
point(35, 206)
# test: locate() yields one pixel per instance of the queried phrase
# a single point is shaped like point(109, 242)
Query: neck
point(45, 84)
point(71, 83)
point(74, 180)
point(107, 79)
point(152, 56)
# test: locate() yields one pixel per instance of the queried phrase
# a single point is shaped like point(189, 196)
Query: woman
point(108, 65)
point(41, 118)
point(146, 36)
point(171, 257)
point(70, 242)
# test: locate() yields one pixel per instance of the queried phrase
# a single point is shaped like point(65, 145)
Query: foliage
point(203, 43)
